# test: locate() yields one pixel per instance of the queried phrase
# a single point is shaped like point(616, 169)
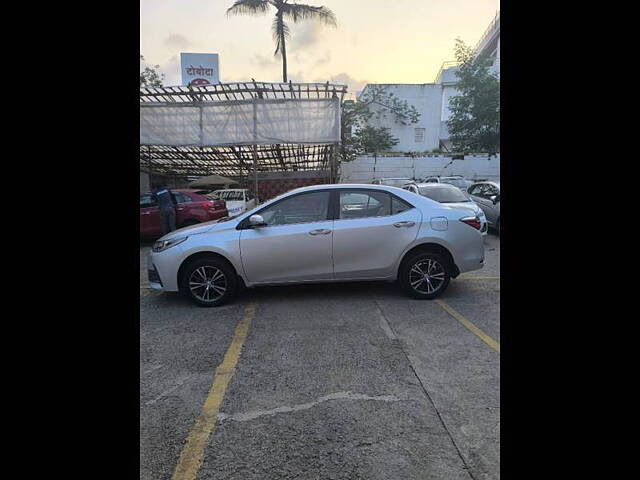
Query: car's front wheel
point(425, 275)
point(209, 282)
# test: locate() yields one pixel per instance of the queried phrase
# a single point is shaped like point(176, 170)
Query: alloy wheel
point(208, 283)
point(427, 276)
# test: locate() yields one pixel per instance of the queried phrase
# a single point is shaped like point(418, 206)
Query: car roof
point(435, 185)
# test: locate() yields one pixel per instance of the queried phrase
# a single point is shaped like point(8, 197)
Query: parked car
point(238, 200)
point(450, 196)
point(192, 207)
point(392, 182)
point(487, 196)
point(322, 233)
point(455, 180)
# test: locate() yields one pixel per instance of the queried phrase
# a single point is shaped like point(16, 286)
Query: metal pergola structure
point(238, 161)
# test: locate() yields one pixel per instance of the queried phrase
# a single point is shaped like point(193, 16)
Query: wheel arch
point(200, 255)
point(431, 247)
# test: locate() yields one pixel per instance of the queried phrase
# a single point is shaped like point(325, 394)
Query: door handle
point(146, 213)
point(320, 231)
point(404, 224)
point(180, 208)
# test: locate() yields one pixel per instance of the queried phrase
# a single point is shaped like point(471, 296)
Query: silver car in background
point(322, 233)
point(487, 196)
point(450, 196)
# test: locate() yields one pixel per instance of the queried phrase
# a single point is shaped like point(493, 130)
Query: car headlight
point(162, 245)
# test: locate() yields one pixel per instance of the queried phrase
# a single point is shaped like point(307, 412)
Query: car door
point(481, 193)
point(149, 216)
point(183, 205)
point(370, 233)
point(295, 243)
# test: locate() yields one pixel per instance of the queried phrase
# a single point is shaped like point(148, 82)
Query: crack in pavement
point(385, 321)
point(243, 417)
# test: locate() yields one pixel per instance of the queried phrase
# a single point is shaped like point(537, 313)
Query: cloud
point(353, 85)
point(305, 34)
point(171, 70)
point(177, 40)
point(264, 61)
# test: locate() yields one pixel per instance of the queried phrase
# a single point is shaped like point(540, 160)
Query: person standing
point(164, 201)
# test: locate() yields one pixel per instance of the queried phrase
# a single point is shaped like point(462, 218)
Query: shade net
point(247, 122)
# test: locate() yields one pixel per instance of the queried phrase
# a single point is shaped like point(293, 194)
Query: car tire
point(437, 280)
point(217, 278)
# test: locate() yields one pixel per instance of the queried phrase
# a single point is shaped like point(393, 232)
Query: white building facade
point(432, 100)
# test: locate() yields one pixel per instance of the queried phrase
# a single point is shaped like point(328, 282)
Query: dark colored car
point(192, 206)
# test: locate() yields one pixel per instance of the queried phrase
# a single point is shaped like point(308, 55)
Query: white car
point(455, 180)
point(450, 196)
point(322, 233)
point(392, 182)
point(238, 200)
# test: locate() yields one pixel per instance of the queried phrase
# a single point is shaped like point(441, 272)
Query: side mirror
point(495, 198)
point(256, 221)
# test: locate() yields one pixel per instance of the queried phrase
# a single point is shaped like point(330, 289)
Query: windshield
point(443, 194)
point(230, 194)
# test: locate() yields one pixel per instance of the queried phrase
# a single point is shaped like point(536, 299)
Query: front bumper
point(153, 276)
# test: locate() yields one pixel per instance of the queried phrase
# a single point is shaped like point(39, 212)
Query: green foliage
point(374, 140)
point(375, 103)
point(149, 77)
point(474, 125)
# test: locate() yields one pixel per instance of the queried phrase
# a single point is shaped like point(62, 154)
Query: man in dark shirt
point(167, 212)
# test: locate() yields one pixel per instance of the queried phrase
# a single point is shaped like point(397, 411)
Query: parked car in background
point(455, 180)
point(238, 200)
point(487, 196)
point(451, 197)
point(192, 207)
point(322, 233)
point(392, 182)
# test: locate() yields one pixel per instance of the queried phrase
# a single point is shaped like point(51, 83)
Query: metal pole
point(255, 149)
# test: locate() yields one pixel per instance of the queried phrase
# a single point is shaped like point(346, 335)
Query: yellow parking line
point(470, 326)
point(193, 450)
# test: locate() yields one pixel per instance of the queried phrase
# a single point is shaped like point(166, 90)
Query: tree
point(474, 125)
point(149, 77)
point(280, 30)
point(374, 140)
point(359, 136)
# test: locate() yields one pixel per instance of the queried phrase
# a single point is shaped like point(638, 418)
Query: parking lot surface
point(332, 381)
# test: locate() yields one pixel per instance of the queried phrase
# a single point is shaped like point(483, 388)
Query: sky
point(376, 41)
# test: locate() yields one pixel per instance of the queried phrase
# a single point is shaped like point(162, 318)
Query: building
point(432, 100)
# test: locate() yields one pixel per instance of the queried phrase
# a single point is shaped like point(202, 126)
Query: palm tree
point(284, 9)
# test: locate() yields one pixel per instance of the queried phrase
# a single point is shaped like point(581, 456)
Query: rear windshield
point(443, 194)
point(230, 195)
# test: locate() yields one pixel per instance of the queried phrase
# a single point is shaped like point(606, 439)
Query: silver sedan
point(323, 233)
point(487, 196)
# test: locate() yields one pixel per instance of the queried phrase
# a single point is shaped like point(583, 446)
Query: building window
point(419, 135)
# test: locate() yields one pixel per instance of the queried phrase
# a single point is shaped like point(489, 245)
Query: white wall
point(365, 169)
point(426, 98)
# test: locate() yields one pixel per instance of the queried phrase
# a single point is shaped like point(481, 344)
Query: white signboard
point(199, 69)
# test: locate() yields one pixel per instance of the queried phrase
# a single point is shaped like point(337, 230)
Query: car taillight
point(472, 221)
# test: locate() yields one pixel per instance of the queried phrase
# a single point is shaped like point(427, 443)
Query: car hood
point(211, 226)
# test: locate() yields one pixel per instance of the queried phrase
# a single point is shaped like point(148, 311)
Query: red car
point(192, 206)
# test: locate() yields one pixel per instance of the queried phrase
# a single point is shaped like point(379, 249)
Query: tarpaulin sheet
point(310, 121)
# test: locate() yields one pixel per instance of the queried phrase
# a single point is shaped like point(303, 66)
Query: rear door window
point(363, 204)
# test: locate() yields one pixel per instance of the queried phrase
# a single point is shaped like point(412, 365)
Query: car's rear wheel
point(425, 275)
point(209, 281)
